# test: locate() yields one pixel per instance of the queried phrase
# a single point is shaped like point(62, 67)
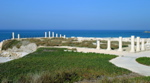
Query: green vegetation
point(10, 43)
point(144, 60)
point(61, 42)
point(55, 65)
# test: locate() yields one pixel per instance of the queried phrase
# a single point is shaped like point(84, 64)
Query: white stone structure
point(56, 35)
point(60, 35)
point(108, 44)
point(53, 34)
point(147, 45)
point(138, 44)
point(120, 44)
point(98, 44)
point(132, 44)
point(1, 44)
point(45, 34)
point(142, 45)
point(64, 36)
point(49, 34)
point(18, 36)
point(13, 35)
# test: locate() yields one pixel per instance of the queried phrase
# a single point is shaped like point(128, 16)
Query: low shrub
point(144, 60)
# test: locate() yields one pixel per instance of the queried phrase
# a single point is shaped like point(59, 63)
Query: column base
point(108, 49)
point(98, 48)
point(132, 51)
point(138, 50)
point(120, 50)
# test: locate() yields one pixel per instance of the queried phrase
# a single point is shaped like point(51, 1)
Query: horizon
point(79, 29)
point(75, 15)
point(66, 30)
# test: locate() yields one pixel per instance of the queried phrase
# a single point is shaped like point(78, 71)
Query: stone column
point(64, 36)
point(13, 35)
point(45, 34)
point(1, 45)
point(132, 44)
point(56, 35)
point(143, 45)
point(138, 44)
point(120, 44)
point(60, 35)
point(18, 36)
point(49, 34)
point(98, 44)
point(147, 41)
point(52, 34)
point(108, 44)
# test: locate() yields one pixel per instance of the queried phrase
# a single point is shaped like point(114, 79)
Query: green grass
point(10, 43)
point(55, 65)
point(144, 60)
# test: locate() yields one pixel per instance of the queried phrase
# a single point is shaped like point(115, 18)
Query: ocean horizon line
point(7, 34)
point(68, 30)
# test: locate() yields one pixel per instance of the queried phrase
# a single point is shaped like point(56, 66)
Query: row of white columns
point(109, 44)
point(138, 46)
point(53, 35)
point(132, 44)
point(49, 35)
point(13, 35)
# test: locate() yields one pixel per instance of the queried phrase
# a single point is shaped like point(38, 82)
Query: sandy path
point(128, 61)
point(125, 60)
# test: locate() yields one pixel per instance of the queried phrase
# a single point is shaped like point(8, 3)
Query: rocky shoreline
point(146, 31)
point(15, 53)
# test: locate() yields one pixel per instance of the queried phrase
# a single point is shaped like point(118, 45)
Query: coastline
point(7, 34)
point(122, 55)
point(126, 39)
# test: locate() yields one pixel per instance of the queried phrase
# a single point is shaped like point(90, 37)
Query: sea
point(7, 34)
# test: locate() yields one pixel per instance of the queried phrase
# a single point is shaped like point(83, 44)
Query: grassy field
point(53, 65)
point(49, 65)
point(144, 60)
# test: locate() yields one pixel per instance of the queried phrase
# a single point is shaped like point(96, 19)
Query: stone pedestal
point(18, 36)
point(45, 34)
point(138, 44)
point(120, 44)
point(143, 45)
point(49, 34)
point(52, 34)
point(64, 36)
point(56, 35)
point(132, 44)
point(108, 44)
point(13, 35)
point(98, 44)
point(1, 44)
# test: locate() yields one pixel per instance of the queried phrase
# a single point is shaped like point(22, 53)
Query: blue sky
point(75, 14)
